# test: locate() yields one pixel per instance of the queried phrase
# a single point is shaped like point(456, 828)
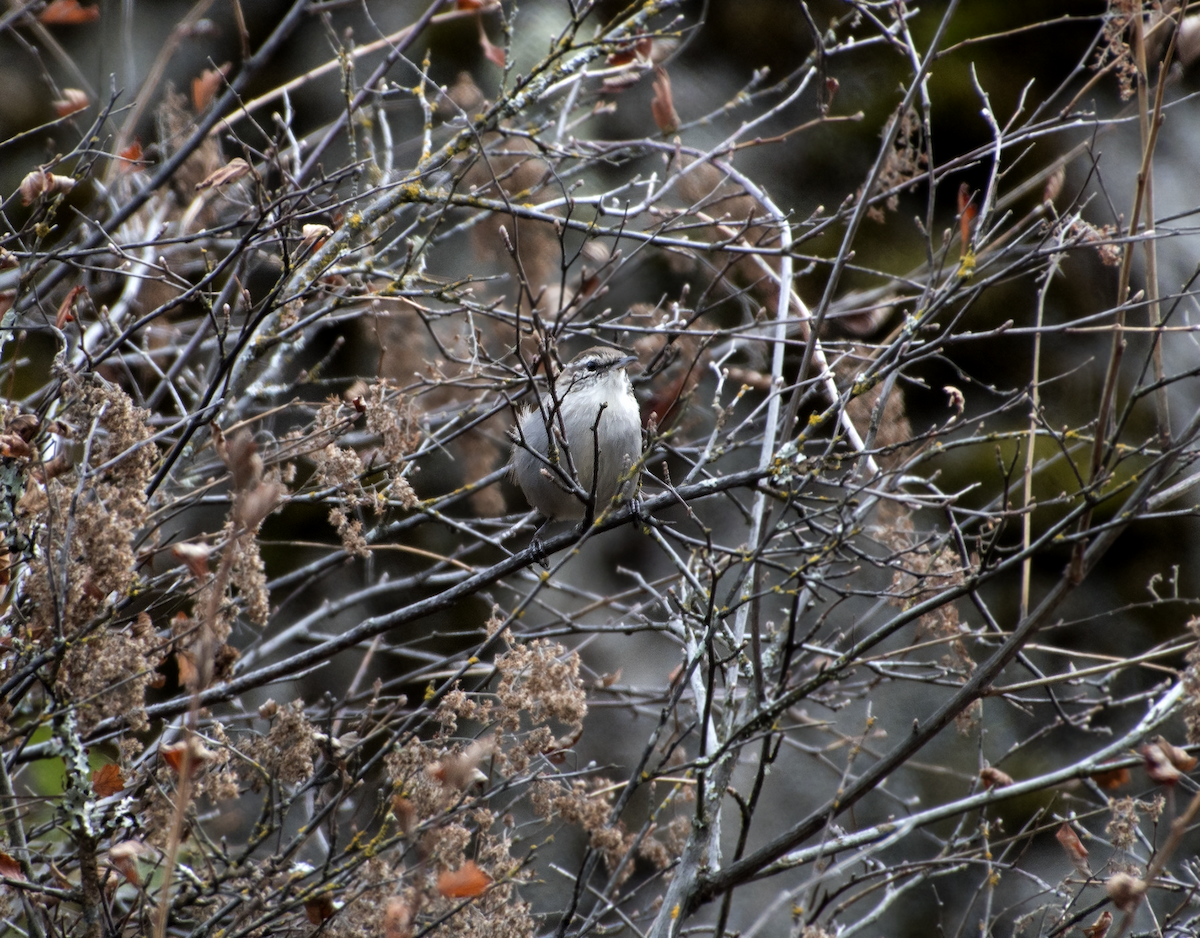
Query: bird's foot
point(539, 553)
point(539, 549)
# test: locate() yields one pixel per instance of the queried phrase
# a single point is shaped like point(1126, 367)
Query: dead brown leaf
point(663, 104)
point(67, 13)
point(466, 882)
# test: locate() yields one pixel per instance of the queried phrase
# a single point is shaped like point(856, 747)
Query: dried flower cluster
point(1114, 52)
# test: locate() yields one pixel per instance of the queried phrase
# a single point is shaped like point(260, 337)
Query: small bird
point(591, 402)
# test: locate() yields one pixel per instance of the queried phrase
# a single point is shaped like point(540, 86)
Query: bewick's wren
point(591, 403)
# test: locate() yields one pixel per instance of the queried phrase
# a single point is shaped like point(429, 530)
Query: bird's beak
point(627, 361)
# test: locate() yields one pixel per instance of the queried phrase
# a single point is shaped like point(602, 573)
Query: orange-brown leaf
point(25, 426)
point(123, 858)
point(466, 882)
point(994, 778)
point(1180, 758)
point(13, 447)
point(1099, 928)
point(194, 557)
point(966, 214)
point(492, 52)
point(173, 756)
point(320, 909)
point(66, 307)
point(40, 182)
point(67, 13)
point(204, 88)
point(665, 403)
point(189, 674)
point(131, 157)
point(608, 680)
point(72, 100)
point(10, 867)
point(406, 813)
point(964, 197)
point(107, 780)
point(1158, 765)
point(1111, 778)
point(236, 168)
point(1074, 848)
point(663, 104)
point(831, 89)
point(55, 467)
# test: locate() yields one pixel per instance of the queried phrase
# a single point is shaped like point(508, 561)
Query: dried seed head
point(1125, 891)
point(40, 182)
